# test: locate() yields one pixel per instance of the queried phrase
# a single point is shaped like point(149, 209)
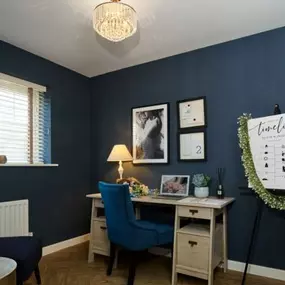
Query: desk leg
point(176, 227)
point(138, 212)
point(90, 255)
point(212, 245)
point(225, 239)
point(94, 214)
point(115, 266)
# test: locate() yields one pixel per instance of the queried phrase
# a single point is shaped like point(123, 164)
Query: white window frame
point(39, 88)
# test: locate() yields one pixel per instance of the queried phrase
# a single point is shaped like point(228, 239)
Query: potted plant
point(201, 183)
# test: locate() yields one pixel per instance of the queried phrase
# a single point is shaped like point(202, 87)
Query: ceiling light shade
point(115, 21)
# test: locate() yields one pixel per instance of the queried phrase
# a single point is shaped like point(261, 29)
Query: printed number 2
point(199, 149)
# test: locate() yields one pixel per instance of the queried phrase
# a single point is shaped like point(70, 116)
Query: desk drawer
point(99, 236)
point(98, 203)
point(194, 212)
point(193, 252)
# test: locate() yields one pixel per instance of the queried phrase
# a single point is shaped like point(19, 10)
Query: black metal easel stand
point(255, 229)
point(258, 216)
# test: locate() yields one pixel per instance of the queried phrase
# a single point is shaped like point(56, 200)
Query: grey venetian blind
point(24, 124)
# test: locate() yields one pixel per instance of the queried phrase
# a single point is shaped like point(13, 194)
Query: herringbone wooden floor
point(70, 267)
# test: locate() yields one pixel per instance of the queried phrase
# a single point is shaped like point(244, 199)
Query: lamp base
point(121, 169)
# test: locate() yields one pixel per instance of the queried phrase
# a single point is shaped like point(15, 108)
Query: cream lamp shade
point(120, 153)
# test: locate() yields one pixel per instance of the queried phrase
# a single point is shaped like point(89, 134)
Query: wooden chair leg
point(171, 259)
point(38, 275)
point(111, 260)
point(132, 268)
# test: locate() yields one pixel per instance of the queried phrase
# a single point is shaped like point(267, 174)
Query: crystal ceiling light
point(115, 21)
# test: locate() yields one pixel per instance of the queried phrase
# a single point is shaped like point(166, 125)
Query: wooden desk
point(7, 271)
point(197, 249)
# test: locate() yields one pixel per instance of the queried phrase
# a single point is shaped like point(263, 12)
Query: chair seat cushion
point(26, 251)
point(165, 232)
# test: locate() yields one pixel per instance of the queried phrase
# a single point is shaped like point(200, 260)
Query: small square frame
point(192, 154)
point(186, 121)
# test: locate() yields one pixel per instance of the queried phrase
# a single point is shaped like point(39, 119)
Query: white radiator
point(14, 218)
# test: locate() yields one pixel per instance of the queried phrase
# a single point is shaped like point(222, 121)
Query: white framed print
point(192, 113)
point(175, 185)
point(150, 131)
point(192, 146)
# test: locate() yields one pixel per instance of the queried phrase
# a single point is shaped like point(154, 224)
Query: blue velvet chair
point(127, 232)
point(27, 252)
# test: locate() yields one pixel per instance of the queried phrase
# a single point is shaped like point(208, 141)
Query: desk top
point(210, 202)
point(7, 266)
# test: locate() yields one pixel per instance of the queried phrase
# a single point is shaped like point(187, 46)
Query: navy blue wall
point(58, 207)
point(245, 75)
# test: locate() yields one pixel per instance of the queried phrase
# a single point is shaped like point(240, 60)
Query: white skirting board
point(232, 265)
point(258, 270)
point(65, 244)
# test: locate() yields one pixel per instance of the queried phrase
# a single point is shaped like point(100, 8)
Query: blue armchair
point(125, 231)
point(27, 252)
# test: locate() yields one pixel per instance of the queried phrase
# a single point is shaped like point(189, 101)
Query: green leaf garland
point(270, 199)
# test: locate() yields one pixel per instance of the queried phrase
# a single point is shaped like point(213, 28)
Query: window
point(24, 121)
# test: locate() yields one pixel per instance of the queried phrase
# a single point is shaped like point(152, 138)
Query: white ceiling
point(61, 30)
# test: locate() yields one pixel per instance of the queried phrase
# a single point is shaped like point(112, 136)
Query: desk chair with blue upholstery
point(127, 232)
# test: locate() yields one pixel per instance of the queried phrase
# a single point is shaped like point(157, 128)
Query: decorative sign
point(267, 143)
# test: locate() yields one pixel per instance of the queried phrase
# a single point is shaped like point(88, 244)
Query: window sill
point(28, 165)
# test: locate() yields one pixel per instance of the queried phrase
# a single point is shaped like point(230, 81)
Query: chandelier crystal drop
point(115, 21)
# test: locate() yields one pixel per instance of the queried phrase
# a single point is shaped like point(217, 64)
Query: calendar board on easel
point(267, 143)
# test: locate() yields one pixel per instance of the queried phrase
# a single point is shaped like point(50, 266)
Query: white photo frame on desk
point(175, 185)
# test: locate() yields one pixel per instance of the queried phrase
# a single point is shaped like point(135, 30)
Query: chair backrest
point(119, 212)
